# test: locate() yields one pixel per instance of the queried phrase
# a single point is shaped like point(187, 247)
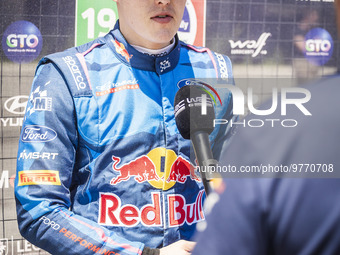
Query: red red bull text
point(180, 212)
point(113, 213)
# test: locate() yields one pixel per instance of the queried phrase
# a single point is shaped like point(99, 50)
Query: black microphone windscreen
point(194, 110)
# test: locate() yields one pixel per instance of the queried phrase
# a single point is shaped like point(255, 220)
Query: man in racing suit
point(102, 168)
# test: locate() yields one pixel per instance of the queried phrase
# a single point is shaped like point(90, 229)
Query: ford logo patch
point(38, 134)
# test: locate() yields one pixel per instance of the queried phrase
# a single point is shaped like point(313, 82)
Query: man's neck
point(158, 52)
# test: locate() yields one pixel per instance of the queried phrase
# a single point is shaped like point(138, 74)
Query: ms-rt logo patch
point(22, 42)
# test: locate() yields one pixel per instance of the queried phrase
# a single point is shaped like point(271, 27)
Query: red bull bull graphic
point(161, 167)
point(120, 48)
point(112, 211)
point(141, 168)
point(181, 169)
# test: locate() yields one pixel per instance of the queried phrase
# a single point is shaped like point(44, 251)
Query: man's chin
point(164, 37)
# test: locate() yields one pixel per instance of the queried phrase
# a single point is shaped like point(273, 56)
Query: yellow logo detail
point(163, 160)
point(39, 177)
point(170, 169)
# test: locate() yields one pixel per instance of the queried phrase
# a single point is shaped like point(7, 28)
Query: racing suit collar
point(130, 56)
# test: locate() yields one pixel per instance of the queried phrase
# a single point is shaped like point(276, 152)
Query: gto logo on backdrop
point(318, 46)
point(15, 106)
point(22, 42)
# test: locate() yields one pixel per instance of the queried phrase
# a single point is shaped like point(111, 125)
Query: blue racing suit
point(102, 168)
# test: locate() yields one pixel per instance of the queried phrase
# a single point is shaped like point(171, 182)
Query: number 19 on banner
point(94, 19)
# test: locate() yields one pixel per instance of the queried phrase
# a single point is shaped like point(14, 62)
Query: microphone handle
point(201, 144)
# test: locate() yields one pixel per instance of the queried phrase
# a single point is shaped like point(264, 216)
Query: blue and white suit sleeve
point(45, 175)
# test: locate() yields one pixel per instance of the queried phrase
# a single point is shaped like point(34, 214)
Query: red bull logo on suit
point(161, 167)
point(120, 48)
point(113, 212)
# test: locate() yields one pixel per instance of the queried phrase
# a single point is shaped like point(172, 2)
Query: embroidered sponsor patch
point(39, 177)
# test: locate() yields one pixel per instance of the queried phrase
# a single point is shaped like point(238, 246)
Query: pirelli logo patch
point(39, 177)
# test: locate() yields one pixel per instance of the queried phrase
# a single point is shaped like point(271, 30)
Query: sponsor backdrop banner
point(264, 39)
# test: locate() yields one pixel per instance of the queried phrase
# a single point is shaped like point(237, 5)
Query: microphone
point(194, 115)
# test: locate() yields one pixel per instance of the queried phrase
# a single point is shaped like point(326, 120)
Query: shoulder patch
point(72, 65)
point(209, 52)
